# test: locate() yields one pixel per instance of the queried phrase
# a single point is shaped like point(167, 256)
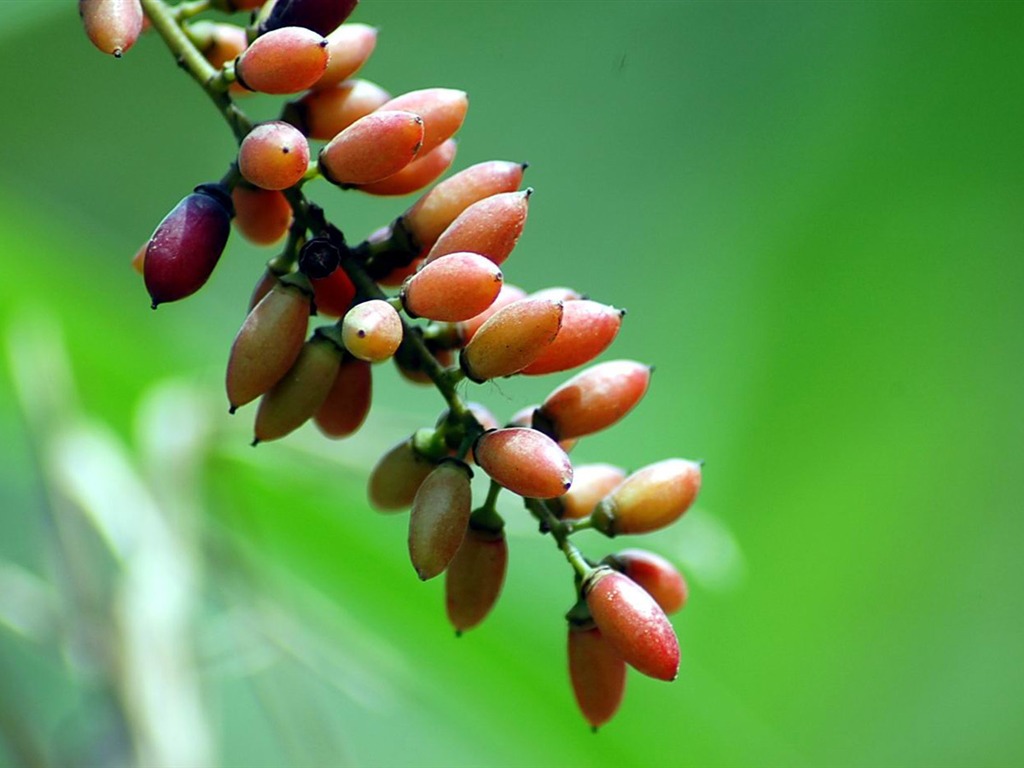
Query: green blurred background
point(813, 212)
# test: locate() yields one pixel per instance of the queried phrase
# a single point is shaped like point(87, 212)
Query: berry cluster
point(426, 291)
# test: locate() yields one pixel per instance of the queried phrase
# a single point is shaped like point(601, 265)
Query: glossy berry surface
point(511, 339)
point(287, 60)
point(372, 148)
point(372, 330)
point(525, 461)
point(597, 674)
point(593, 399)
point(274, 156)
point(655, 574)
point(651, 498)
point(458, 286)
point(439, 517)
point(474, 577)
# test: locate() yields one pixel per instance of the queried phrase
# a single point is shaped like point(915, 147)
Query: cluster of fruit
point(442, 261)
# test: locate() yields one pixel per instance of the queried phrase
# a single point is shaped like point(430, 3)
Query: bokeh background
point(813, 212)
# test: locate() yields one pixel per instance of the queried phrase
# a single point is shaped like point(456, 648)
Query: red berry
point(593, 399)
point(650, 498)
point(597, 673)
point(273, 155)
point(590, 483)
point(525, 461)
point(348, 48)
point(397, 476)
point(442, 110)
point(588, 329)
point(323, 114)
point(474, 578)
point(113, 26)
point(333, 295)
point(187, 244)
point(417, 174)
point(455, 287)
point(372, 148)
point(490, 227)
point(262, 216)
point(440, 515)
point(511, 339)
point(655, 574)
point(345, 408)
point(634, 625)
point(287, 60)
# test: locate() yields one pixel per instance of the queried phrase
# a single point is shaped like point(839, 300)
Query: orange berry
point(440, 515)
point(139, 259)
point(588, 329)
point(590, 484)
point(442, 110)
point(397, 476)
point(525, 461)
point(296, 397)
point(650, 498)
point(113, 26)
point(372, 148)
point(286, 60)
point(372, 330)
point(475, 576)
point(655, 574)
point(511, 339)
point(593, 399)
point(219, 44)
point(431, 214)
point(455, 287)
point(262, 216)
point(507, 295)
point(417, 174)
point(345, 408)
point(348, 48)
point(187, 244)
point(333, 295)
point(490, 227)
point(273, 155)
point(597, 674)
point(323, 114)
point(635, 627)
point(268, 342)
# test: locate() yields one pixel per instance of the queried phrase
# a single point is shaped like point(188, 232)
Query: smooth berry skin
point(443, 111)
point(348, 48)
point(273, 156)
point(396, 477)
point(419, 173)
point(267, 344)
point(437, 209)
point(590, 484)
point(511, 339)
point(322, 16)
point(439, 518)
point(456, 287)
point(490, 227)
point(655, 574)
point(649, 499)
point(323, 114)
point(372, 148)
point(372, 330)
point(187, 244)
point(113, 26)
point(593, 399)
point(286, 60)
point(262, 216)
point(633, 623)
point(597, 674)
point(525, 461)
point(588, 329)
point(507, 295)
point(296, 397)
point(333, 295)
point(474, 577)
point(347, 404)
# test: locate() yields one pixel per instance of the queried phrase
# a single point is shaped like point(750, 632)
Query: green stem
point(560, 531)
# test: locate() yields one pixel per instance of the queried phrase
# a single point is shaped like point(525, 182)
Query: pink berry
point(286, 60)
point(650, 498)
point(455, 287)
point(525, 461)
point(593, 399)
point(273, 155)
point(372, 148)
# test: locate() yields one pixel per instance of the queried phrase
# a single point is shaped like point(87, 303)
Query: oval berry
point(397, 476)
point(490, 227)
point(588, 329)
point(443, 110)
point(348, 48)
point(593, 399)
point(372, 330)
point(372, 148)
point(507, 295)
point(345, 408)
point(113, 26)
point(455, 287)
point(431, 214)
point(633, 624)
point(590, 484)
point(295, 398)
point(333, 295)
point(475, 576)
point(286, 60)
point(273, 155)
point(597, 674)
point(187, 244)
point(417, 174)
point(262, 216)
point(440, 515)
point(655, 574)
point(525, 461)
point(323, 114)
point(321, 16)
point(511, 339)
point(650, 498)
point(268, 342)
